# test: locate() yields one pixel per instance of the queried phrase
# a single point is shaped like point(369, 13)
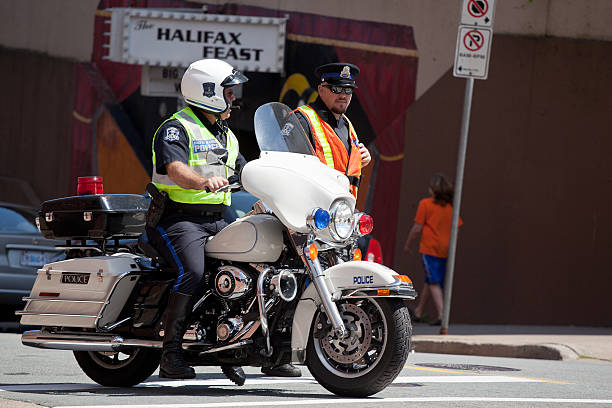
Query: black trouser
point(180, 239)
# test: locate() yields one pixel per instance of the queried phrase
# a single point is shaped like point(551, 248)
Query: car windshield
point(15, 221)
point(277, 129)
point(242, 203)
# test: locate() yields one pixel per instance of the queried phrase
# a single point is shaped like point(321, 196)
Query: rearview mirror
point(217, 156)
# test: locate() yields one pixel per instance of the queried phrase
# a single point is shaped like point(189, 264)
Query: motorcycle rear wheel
point(119, 369)
point(374, 354)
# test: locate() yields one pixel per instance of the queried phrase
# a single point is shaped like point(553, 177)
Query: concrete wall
point(36, 130)
point(435, 22)
point(60, 28)
point(535, 243)
point(69, 33)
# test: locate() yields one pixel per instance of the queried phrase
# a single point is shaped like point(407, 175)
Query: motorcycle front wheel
point(373, 354)
point(118, 369)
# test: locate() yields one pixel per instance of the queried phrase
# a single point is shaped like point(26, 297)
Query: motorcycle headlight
point(341, 220)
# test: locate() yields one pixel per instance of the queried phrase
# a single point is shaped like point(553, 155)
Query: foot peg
point(234, 373)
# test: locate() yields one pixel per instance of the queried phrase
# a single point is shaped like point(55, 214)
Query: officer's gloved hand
point(234, 179)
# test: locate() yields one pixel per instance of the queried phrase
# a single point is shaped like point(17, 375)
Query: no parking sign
point(472, 55)
point(474, 39)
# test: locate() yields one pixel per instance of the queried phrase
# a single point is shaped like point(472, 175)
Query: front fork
point(318, 279)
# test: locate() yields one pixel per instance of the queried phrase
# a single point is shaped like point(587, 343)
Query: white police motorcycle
point(286, 282)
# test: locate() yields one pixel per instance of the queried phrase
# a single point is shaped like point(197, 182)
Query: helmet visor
point(235, 78)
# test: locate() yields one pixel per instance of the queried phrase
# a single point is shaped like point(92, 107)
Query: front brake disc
point(354, 347)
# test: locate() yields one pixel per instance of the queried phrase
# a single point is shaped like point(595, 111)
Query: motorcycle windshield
point(278, 130)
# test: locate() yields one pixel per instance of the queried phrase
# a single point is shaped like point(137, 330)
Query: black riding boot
point(282, 370)
point(173, 363)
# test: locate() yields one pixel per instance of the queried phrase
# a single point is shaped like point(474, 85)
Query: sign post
point(471, 62)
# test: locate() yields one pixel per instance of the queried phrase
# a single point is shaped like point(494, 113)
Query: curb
point(475, 348)
point(6, 403)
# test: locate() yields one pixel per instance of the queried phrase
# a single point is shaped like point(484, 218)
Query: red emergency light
point(90, 185)
point(366, 224)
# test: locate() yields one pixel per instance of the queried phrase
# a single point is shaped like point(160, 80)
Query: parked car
point(22, 251)
point(242, 203)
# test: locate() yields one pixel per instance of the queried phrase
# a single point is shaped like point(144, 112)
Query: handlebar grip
point(229, 187)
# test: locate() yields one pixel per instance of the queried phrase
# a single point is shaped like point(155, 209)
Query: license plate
point(35, 258)
point(75, 278)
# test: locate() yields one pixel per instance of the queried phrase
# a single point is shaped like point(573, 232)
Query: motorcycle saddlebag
point(81, 292)
point(100, 216)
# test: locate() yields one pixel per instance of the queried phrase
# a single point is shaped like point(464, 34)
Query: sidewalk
point(540, 342)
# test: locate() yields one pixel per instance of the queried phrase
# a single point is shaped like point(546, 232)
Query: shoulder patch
point(172, 134)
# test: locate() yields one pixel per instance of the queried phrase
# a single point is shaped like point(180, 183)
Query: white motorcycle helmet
point(204, 81)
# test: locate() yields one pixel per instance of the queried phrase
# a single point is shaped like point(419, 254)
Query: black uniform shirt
point(172, 142)
point(339, 126)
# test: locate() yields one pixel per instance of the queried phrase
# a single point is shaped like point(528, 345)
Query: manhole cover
point(467, 367)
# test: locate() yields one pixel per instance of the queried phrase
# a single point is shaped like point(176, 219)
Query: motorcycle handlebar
point(229, 187)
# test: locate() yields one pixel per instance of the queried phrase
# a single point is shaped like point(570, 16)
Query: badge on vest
point(172, 134)
point(209, 89)
point(201, 146)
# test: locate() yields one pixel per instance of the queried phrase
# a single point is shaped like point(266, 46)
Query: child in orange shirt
point(433, 220)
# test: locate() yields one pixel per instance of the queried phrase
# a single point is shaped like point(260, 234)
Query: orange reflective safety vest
point(330, 149)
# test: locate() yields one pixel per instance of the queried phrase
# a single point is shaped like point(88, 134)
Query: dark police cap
point(338, 73)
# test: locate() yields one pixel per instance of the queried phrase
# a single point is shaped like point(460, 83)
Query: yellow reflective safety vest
point(200, 142)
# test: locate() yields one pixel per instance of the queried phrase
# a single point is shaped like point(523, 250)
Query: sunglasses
point(338, 89)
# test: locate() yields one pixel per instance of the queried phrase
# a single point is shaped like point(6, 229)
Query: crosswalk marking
point(399, 380)
point(334, 401)
point(271, 381)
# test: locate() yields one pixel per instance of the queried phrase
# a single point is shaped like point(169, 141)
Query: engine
point(228, 327)
point(235, 290)
point(231, 302)
point(232, 282)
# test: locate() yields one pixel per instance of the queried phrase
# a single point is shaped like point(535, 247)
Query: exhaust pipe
point(83, 342)
point(109, 343)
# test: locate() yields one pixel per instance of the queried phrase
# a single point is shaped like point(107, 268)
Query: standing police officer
point(195, 208)
point(334, 139)
point(331, 133)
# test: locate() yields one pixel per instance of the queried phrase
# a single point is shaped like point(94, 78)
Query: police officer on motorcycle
point(194, 207)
